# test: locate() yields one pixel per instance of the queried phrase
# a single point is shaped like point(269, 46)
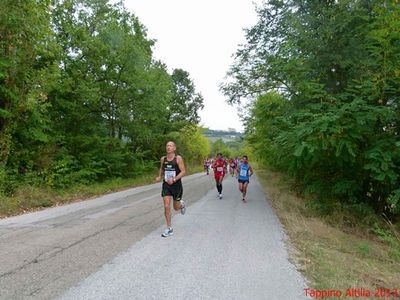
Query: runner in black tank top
point(172, 169)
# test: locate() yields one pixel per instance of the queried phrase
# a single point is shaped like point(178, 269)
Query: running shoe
point(183, 207)
point(220, 196)
point(168, 232)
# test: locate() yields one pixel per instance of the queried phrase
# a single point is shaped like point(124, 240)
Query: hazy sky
point(200, 38)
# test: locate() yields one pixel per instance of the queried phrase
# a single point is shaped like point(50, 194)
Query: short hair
point(219, 154)
point(245, 156)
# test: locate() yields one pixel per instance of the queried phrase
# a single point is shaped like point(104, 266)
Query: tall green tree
point(186, 101)
point(82, 98)
point(323, 76)
point(110, 90)
point(28, 70)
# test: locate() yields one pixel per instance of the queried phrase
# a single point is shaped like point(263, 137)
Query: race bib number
point(169, 174)
point(243, 173)
point(220, 169)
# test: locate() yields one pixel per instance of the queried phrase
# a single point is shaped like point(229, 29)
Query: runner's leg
point(167, 209)
point(245, 190)
point(177, 205)
point(241, 187)
point(219, 189)
point(220, 182)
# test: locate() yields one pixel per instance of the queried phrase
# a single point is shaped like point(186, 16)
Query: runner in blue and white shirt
point(244, 171)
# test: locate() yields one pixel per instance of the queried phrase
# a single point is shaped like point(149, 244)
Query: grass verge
point(332, 252)
point(32, 198)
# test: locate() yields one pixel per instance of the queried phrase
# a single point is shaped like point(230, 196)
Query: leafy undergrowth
point(336, 251)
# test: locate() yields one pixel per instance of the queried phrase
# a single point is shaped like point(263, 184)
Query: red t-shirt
point(219, 167)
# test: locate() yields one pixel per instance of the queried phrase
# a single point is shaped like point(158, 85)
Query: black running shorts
point(175, 190)
point(243, 181)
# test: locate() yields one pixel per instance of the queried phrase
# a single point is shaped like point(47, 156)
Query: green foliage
point(325, 79)
point(191, 144)
point(7, 183)
point(83, 99)
point(394, 202)
point(28, 70)
point(185, 102)
point(219, 146)
point(364, 248)
point(388, 236)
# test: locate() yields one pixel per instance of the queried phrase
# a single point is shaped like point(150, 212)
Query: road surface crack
point(45, 255)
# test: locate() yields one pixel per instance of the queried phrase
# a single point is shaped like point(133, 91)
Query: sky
point(199, 37)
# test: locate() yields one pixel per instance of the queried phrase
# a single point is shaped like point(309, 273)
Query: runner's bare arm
point(181, 165)
point(250, 171)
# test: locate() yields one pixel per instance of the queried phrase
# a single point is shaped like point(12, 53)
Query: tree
point(324, 83)
point(112, 96)
point(185, 102)
point(27, 72)
point(82, 98)
point(219, 146)
point(191, 144)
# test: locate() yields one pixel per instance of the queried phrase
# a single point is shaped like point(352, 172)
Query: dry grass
point(329, 252)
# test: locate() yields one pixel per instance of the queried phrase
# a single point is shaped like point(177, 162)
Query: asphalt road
point(111, 248)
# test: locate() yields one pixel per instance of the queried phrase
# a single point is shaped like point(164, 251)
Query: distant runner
point(219, 167)
point(232, 166)
point(207, 164)
point(244, 171)
point(172, 169)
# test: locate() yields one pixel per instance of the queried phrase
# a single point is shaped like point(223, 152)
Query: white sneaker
point(220, 196)
point(183, 207)
point(168, 232)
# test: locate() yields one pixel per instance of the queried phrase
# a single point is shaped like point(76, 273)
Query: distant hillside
point(226, 136)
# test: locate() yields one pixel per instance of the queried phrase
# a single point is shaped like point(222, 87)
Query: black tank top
point(171, 168)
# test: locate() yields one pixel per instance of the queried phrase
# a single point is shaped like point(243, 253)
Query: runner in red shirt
point(219, 166)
